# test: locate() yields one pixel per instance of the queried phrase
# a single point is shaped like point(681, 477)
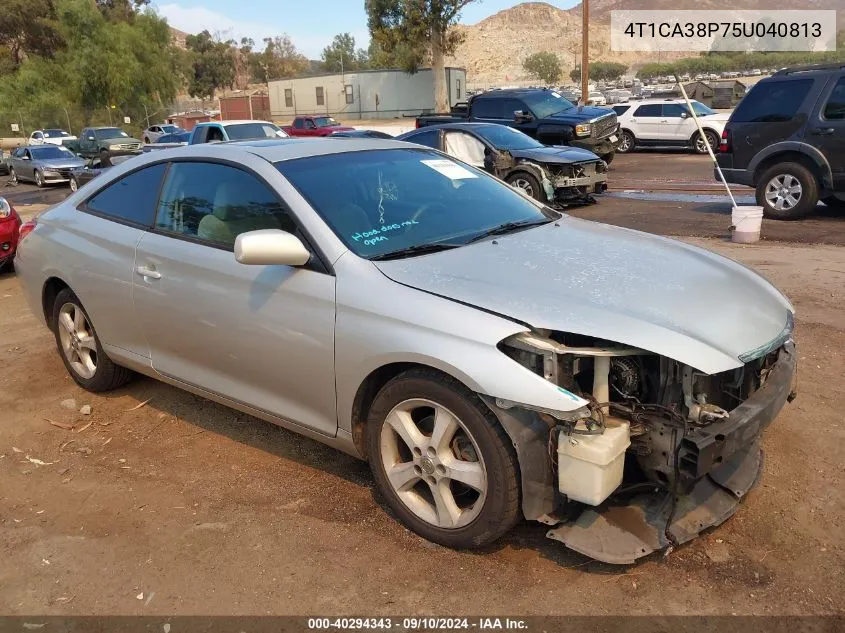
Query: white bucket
point(745, 224)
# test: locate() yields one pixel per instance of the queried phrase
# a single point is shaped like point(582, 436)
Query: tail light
point(725, 143)
point(417, 124)
point(26, 228)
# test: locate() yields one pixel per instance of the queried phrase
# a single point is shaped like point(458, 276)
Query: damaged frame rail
point(719, 464)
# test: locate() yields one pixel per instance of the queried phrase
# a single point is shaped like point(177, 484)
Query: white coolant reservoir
point(590, 466)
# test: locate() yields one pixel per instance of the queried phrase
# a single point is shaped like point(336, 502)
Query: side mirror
point(90, 138)
point(684, 115)
point(270, 247)
point(25, 157)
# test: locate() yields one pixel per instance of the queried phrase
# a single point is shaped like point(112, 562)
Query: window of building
point(458, 87)
point(288, 98)
point(132, 199)
point(216, 203)
point(350, 94)
point(320, 99)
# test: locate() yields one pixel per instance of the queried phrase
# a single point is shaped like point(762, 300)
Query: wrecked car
point(559, 175)
point(491, 358)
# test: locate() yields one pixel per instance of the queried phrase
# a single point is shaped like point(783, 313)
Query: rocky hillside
point(493, 49)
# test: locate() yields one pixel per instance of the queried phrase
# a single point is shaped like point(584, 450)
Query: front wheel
point(39, 179)
point(699, 145)
point(787, 191)
point(442, 461)
point(74, 186)
point(528, 184)
point(13, 176)
point(626, 143)
point(80, 348)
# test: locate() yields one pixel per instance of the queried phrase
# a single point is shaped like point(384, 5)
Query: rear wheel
point(527, 183)
point(80, 348)
point(13, 176)
point(787, 191)
point(441, 460)
point(627, 142)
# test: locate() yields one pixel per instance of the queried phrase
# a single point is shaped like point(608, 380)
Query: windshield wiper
point(417, 249)
point(508, 227)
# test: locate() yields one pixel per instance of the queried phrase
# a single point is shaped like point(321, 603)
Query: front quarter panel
point(380, 322)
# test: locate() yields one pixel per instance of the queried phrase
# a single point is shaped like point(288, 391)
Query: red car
point(315, 125)
point(10, 224)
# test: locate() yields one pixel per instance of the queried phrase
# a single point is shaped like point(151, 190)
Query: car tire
point(39, 179)
point(698, 145)
point(627, 142)
point(80, 347)
point(528, 183)
point(787, 191)
point(409, 473)
point(13, 176)
point(74, 185)
point(147, 140)
point(834, 203)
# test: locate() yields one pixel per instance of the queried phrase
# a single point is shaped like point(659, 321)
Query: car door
point(259, 335)
point(645, 122)
point(676, 124)
point(107, 228)
point(16, 160)
point(465, 147)
point(27, 169)
point(826, 131)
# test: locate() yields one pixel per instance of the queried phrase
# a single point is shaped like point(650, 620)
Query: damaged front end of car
point(564, 183)
point(653, 450)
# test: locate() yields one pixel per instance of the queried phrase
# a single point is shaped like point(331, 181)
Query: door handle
point(664, 120)
point(822, 131)
point(147, 273)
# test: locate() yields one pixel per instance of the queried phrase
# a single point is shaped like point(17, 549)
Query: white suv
point(667, 122)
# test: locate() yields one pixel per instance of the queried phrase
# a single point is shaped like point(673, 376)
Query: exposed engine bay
point(652, 427)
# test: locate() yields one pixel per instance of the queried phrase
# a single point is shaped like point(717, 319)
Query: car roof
point(455, 126)
point(651, 101)
point(233, 122)
point(509, 91)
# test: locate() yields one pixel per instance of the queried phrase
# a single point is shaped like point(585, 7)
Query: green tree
point(28, 27)
point(341, 55)
point(544, 66)
point(212, 64)
point(278, 60)
point(121, 10)
point(416, 32)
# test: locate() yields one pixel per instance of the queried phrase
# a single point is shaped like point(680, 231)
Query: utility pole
point(585, 51)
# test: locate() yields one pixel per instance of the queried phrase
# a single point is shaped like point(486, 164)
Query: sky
point(311, 25)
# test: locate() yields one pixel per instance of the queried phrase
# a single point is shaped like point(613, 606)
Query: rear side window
point(649, 110)
point(772, 102)
point(620, 110)
point(132, 199)
point(488, 109)
point(835, 106)
point(430, 138)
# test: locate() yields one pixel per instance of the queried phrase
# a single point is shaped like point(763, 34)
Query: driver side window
point(674, 110)
point(309, 125)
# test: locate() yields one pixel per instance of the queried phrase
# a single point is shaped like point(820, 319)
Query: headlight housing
point(5, 209)
point(583, 129)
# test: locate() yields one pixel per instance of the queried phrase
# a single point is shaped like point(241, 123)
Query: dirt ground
point(169, 504)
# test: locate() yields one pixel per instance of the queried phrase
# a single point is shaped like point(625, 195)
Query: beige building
point(363, 94)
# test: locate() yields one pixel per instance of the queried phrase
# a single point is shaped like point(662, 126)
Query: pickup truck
point(104, 142)
point(315, 125)
point(221, 131)
point(543, 115)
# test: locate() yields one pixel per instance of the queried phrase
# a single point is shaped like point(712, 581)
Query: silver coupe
point(493, 359)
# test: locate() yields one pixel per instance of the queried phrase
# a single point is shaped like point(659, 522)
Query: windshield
point(382, 201)
point(49, 152)
point(325, 121)
point(546, 103)
point(246, 131)
point(55, 133)
point(109, 132)
point(504, 137)
point(701, 109)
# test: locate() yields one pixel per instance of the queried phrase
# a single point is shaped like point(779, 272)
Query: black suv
point(786, 138)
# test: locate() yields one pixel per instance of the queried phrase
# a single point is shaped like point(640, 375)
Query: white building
point(363, 94)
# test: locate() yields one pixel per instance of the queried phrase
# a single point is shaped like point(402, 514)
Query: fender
point(794, 146)
point(563, 133)
point(539, 173)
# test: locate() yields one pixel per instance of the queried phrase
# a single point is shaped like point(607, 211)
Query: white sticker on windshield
point(557, 94)
point(451, 170)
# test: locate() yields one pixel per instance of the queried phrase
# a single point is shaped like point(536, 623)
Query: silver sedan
point(491, 358)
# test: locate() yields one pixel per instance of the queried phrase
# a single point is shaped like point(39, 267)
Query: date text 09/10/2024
point(418, 624)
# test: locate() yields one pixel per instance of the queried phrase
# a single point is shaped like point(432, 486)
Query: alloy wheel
point(783, 192)
point(701, 145)
point(624, 144)
point(433, 463)
point(522, 183)
point(77, 339)
point(38, 180)
point(13, 176)
point(74, 186)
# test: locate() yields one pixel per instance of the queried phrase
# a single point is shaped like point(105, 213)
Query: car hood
point(719, 116)
point(582, 113)
point(119, 140)
point(611, 283)
point(61, 163)
point(557, 155)
point(340, 128)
